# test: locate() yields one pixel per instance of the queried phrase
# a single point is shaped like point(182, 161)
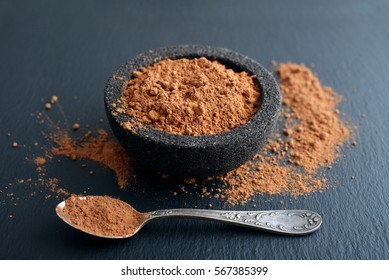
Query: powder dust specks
point(100, 148)
point(60, 140)
point(96, 146)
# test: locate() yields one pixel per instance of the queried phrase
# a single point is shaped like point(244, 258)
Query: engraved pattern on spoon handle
point(289, 222)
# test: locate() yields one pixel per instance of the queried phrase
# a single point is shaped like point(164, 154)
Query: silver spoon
point(286, 222)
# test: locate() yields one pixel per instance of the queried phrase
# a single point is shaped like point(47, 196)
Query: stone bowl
point(187, 156)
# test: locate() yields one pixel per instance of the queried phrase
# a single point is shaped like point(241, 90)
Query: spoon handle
point(288, 222)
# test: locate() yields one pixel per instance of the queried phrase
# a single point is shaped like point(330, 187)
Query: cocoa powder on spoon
point(101, 215)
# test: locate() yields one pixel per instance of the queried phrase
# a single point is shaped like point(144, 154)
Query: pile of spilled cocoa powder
point(101, 215)
point(312, 137)
point(98, 148)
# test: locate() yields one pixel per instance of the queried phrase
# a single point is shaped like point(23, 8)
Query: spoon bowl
point(285, 222)
point(67, 219)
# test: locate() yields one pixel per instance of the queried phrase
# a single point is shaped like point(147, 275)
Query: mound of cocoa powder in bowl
point(191, 96)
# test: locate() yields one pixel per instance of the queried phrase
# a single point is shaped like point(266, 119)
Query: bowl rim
point(266, 114)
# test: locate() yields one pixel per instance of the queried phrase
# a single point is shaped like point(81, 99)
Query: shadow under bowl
point(187, 156)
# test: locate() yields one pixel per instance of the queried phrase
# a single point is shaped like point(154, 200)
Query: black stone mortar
point(187, 156)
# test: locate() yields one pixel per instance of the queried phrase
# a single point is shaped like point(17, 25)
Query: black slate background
point(69, 48)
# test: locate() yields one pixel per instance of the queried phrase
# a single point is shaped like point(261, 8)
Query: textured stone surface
point(69, 49)
point(195, 156)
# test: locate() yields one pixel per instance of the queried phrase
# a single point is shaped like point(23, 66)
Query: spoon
point(285, 222)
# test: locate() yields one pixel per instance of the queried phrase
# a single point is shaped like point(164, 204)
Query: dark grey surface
point(186, 156)
point(69, 48)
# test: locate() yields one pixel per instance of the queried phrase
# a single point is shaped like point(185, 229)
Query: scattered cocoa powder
point(101, 215)
point(50, 184)
point(106, 152)
point(53, 184)
point(39, 160)
point(54, 99)
point(190, 96)
point(265, 174)
point(314, 134)
point(101, 149)
point(76, 126)
point(318, 133)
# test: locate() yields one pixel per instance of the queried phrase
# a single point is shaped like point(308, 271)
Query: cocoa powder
point(61, 140)
point(101, 215)
point(314, 140)
point(190, 96)
point(39, 160)
point(291, 163)
point(98, 148)
point(313, 135)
